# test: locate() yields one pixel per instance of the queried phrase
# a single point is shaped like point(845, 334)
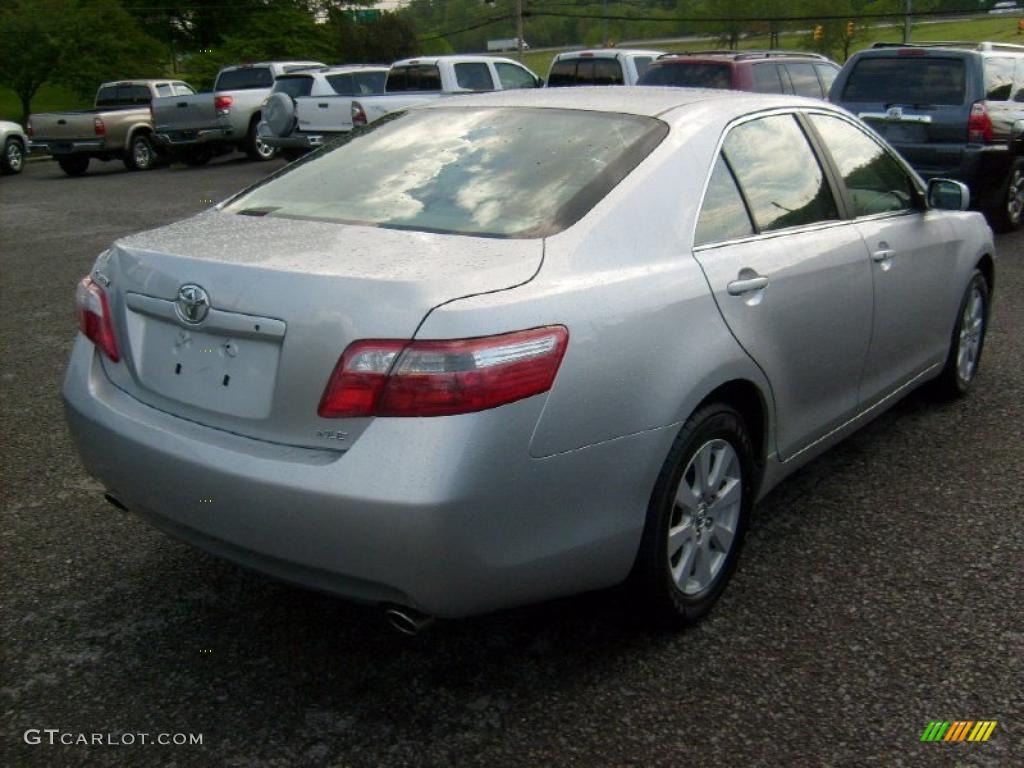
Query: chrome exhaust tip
point(406, 620)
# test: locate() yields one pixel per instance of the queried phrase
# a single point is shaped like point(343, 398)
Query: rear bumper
point(60, 147)
point(983, 168)
point(296, 140)
point(185, 138)
point(448, 515)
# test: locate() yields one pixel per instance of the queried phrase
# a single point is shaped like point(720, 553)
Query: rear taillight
point(223, 104)
point(151, 114)
point(99, 127)
point(979, 124)
point(441, 378)
point(94, 319)
point(358, 115)
point(29, 130)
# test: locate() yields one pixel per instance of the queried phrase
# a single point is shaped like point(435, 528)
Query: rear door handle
point(322, 105)
point(882, 255)
point(181, 104)
point(747, 285)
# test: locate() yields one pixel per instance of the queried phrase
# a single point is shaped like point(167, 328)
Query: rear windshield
point(510, 172)
point(585, 71)
point(369, 82)
point(294, 85)
point(244, 78)
point(907, 80)
point(415, 77)
point(123, 96)
point(689, 74)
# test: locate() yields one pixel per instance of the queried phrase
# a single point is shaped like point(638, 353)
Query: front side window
point(779, 174)
point(876, 182)
point(512, 172)
point(474, 76)
point(723, 215)
point(998, 78)
point(414, 77)
point(805, 81)
point(512, 76)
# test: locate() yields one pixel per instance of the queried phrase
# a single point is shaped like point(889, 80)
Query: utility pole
point(605, 44)
point(518, 30)
point(906, 21)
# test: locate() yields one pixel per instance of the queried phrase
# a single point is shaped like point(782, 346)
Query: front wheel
point(74, 165)
point(968, 339)
point(13, 159)
point(697, 517)
point(255, 147)
point(141, 156)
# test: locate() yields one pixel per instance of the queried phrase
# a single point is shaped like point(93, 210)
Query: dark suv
point(804, 74)
point(950, 110)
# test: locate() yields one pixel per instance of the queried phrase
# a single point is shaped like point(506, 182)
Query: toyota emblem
point(193, 304)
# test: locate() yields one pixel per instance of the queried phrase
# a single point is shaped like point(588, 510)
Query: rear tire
point(1007, 213)
point(140, 155)
point(74, 165)
point(968, 340)
point(254, 146)
point(13, 159)
point(697, 518)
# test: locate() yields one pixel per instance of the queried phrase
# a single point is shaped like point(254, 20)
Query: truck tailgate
point(184, 113)
point(64, 125)
point(324, 113)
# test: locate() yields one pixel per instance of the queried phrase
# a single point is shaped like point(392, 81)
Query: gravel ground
point(881, 587)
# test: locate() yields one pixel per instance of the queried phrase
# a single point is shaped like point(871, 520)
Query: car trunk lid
point(283, 298)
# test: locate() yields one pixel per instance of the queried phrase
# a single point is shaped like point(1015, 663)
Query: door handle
point(747, 285)
point(882, 255)
point(181, 104)
point(322, 105)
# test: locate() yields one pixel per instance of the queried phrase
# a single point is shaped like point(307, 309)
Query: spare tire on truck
point(279, 114)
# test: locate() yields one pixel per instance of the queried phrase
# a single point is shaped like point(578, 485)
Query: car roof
point(468, 59)
point(643, 100)
point(250, 64)
point(726, 56)
point(141, 81)
point(334, 70)
point(605, 53)
point(945, 47)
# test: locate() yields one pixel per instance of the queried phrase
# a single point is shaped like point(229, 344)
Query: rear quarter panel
point(646, 340)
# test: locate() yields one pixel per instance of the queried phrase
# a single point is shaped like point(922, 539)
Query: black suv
point(950, 109)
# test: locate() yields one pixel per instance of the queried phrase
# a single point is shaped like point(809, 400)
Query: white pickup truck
point(194, 128)
point(600, 66)
point(307, 107)
point(414, 81)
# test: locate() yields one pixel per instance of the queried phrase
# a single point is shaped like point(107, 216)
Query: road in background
point(881, 587)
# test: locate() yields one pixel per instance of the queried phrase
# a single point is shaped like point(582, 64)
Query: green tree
point(77, 43)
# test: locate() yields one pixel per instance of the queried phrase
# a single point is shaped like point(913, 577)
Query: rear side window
point(827, 74)
point(766, 78)
point(294, 85)
point(366, 83)
point(998, 78)
point(474, 76)
point(513, 77)
point(693, 75)
point(876, 182)
point(907, 80)
point(779, 174)
point(723, 215)
point(244, 78)
point(414, 77)
point(642, 63)
point(804, 80)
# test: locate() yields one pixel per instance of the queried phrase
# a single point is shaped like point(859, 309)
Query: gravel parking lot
point(881, 587)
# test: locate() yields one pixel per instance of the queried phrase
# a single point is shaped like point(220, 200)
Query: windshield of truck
point(498, 172)
point(244, 78)
point(907, 80)
point(688, 75)
point(294, 85)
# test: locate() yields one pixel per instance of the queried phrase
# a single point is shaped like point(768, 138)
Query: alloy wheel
point(15, 157)
point(263, 149)
point(1015, 196)
point(142, 154)
point(972, 327)
point(703, 524)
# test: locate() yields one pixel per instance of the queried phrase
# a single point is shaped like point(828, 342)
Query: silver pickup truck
point(414, 81)
point(195, 128)
point(119, 127)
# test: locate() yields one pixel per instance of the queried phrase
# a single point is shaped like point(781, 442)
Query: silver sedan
point(519, 345)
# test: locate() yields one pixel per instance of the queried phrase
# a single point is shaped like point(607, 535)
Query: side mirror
point(948, 195)
point(539, 82)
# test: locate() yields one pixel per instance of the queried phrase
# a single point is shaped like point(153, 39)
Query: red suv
point(804, 74)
